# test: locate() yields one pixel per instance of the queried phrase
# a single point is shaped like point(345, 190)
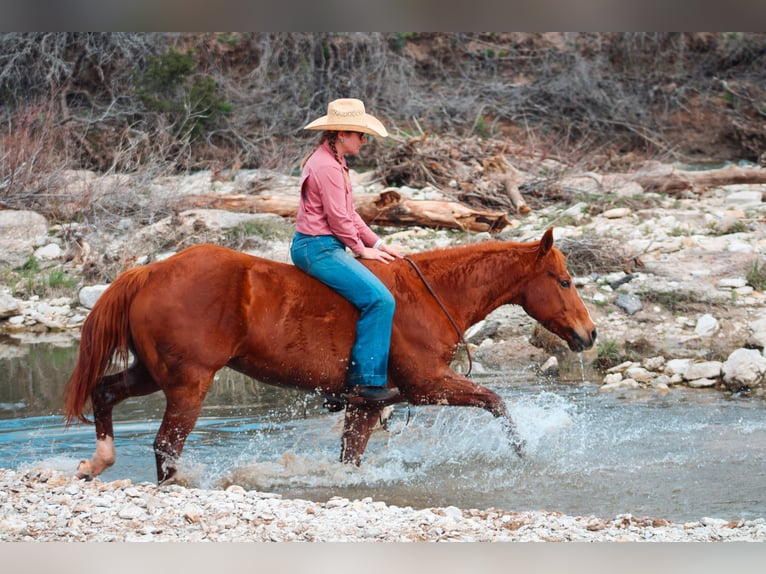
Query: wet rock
point(550, 368)
point(702, 383)
point(744, 369)
point(620, 385)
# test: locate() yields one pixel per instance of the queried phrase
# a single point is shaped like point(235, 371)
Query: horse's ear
point(546, 243)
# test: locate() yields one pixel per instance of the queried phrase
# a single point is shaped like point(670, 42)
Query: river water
point(682, 456)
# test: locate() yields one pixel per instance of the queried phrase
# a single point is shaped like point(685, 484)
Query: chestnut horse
point(207, 307)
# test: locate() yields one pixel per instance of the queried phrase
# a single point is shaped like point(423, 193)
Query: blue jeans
point(325, 258)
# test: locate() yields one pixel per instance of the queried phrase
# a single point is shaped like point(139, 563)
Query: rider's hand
point(391, 250)
point(384, 254)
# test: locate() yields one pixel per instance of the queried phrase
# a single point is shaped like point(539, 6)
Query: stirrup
point(368, 394)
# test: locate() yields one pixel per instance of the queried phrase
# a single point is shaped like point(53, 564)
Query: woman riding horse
point(327, 224)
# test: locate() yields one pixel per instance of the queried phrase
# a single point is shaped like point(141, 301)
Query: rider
point(327, 224)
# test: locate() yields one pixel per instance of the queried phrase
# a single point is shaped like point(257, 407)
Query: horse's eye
point(565, 283)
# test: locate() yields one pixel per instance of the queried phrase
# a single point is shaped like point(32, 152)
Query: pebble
point(96, 511)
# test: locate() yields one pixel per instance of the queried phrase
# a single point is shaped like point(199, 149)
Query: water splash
point(582, 367)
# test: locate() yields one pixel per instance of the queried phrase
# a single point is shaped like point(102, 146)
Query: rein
point(461, 338)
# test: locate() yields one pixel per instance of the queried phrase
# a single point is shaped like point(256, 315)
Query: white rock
point(616, 213)
point(744, 198)
point(48, 252)
point(758, 329)
point(13, 524)
point(640, 374)
point(131, 511)
point(731, 282)
point(550, 367)
point(19, 234)
point(702, 383)
point(654, 363)
point(89, 294)
point(9, 305)
point(703, 370)
point(612, 378)
point(677, 367)
point(707, 326)
point(621, 385)
point(744, 368)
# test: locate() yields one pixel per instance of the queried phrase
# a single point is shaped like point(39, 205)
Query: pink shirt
point(326, 205)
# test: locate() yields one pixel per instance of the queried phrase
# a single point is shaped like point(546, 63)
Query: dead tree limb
point(388, 208)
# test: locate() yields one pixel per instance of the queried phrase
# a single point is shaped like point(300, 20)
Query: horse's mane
point(446, 258)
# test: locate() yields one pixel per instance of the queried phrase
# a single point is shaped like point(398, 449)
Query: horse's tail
point(106, 332)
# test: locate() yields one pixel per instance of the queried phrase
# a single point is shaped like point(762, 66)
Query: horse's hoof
point(85, 471)
point(519, 446)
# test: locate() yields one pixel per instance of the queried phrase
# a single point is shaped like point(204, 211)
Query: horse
point(185, 317)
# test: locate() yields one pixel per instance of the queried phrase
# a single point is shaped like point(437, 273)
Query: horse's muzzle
point(578, 343)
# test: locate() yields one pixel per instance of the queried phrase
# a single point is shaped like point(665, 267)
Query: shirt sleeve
point(341, 216)
point(367, 235)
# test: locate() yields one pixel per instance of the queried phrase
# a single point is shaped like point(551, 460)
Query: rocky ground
point(48, 506)
point(674, 306)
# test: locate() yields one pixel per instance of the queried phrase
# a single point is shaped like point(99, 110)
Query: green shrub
point(756, 274)
point(169, 86)
point(608, 355)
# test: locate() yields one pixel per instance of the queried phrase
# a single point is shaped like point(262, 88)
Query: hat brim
point(366, 123)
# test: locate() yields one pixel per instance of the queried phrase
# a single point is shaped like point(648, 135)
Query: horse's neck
point(473, 281)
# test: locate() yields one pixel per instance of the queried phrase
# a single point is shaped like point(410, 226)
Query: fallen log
point(392, 209)
point(670, 180)
point(389, 208)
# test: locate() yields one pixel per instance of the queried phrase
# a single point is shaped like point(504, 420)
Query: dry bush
point(595, 255)
point(581, 98)
point(31, 160)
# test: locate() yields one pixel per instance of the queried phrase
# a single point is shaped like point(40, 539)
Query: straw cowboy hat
point(348, 115)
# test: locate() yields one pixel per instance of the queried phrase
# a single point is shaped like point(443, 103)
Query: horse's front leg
point(357, 428)
point(455, 390)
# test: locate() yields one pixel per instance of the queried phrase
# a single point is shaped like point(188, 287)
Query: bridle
point(436, 297)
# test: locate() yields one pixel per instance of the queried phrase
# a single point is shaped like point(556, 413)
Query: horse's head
point(551, 298)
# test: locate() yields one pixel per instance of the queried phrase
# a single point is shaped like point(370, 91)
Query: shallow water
point(682, 456)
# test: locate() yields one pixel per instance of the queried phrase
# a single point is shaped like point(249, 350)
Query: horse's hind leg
point(357, 428)
point(112, 390)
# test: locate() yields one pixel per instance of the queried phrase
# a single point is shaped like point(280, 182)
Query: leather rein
point(436, 297)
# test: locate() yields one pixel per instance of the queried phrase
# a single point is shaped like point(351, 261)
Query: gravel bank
point(46, 505)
